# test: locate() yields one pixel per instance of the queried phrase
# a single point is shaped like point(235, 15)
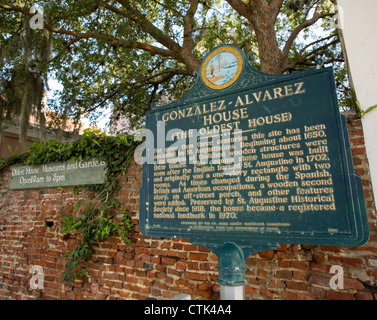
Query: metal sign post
point(232, 272)
point(232, 268)
point(232, 293)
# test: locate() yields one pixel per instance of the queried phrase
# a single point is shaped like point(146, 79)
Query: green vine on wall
point(354, 102)
point(93, 218)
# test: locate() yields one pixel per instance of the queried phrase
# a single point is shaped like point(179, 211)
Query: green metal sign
point(62, 174)
point(252, 159)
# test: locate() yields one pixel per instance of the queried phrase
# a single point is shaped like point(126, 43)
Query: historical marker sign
point(278, 169)
point(62, 174)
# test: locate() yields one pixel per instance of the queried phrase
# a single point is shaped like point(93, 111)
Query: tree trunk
point(271, 57)
point(192, 63)
point(262, 16)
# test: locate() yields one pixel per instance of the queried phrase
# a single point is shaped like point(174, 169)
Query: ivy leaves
point(95, 218)
point(94, 226)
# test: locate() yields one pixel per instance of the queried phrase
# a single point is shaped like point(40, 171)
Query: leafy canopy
point(124, 55)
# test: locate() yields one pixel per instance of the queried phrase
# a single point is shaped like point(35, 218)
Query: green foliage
point(125, 55)
point(93, 218)
point(13, 159)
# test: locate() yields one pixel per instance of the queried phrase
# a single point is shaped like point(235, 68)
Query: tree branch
point(92, 35)
point(315, 42)
point(321, 48)
point(174, 49)
point(188, 29)
point(170, 72)
point(303, 59)
point(167, 8)
point(306, 23)
point(150, 80)
point(66, 47)
point(136, 16)
point(242, 8)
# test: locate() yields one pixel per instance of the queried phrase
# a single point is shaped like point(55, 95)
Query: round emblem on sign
point(222, 67)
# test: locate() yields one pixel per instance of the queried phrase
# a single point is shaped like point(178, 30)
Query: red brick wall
point(162, 268)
